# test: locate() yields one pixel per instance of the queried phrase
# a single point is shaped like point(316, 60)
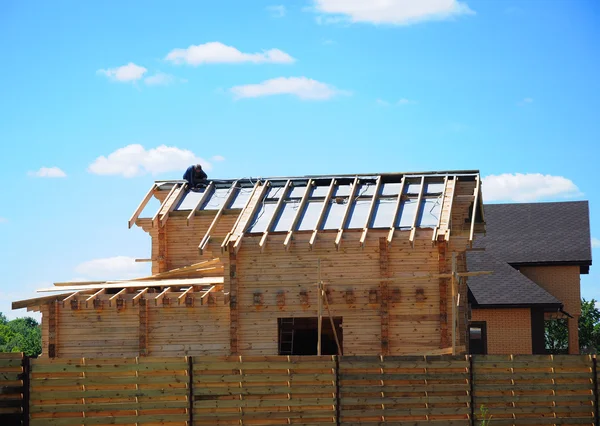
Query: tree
point(557, 335)
point(20, 335)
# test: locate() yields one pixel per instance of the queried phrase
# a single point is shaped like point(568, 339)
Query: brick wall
point(560, 281)
point(508, 330)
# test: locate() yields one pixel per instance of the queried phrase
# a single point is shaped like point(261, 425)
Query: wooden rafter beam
point(396, 212)
point(363, 237)
point(207, 192)
point(305, 196)
point(162, 295)
point(96, 294)
point(447, 236)
point(250, 215)
point(214, 222)
point(313, 237)
point(164, 203)
point(139, 295)
point(443, 197)
point(225, 242)
point(338, 238)
point(177, 197)
point(280, 203)
point(413, 229)
point(71, 296)
point(117, 295)
point(474, 212)
point(206, 293)
point(183, 295)
point(142, 205)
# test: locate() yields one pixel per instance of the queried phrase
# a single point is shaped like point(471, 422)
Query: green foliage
point(20, 335)
point(557, 336)
point(483, 415)
point(589, 326)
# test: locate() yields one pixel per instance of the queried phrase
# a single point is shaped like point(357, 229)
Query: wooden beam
point(184, 294)
point(280, 202)
point(338, 238)
point(139, 295)
point(143, 327)
point(225, 242)
point(165, 215)
point(161, 295)
point(319, 307)
point(443, 289)
point(208, 191)
point(164, 203)
point(214, 222)
point(206, 293)
point(396, 211)
point(65, 300)
point(413, 230)
point(233, 303)
point(305, 196)
point(454, 310)
point(447, 236)
point(322, 213)
point(144, 260)
point(437, 228)
point(37, 301)
point(142, 205)
point(116, 295)
point(96, 294)
point(363, 237)
point(140, 284)
point(384, 272)
point(250, 214)
point(474, 212)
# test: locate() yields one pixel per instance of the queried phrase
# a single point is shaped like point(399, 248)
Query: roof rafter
point(176, 198)
point(205, 295)
point(413, 229)
point(338, 238)
point(209, 189)
point(164, 203)
point(162, 295)
point(474, 212)
point(71, 296)
point(396, 212)
point(239, 218)
point(139, 295)
point(280, 203)
point(207, 235)
point(437, 228)
point(288, 237)
point(116, 295)
point(142, 205)
point(313, 237)
point(184, 294)
point(250, 215)
point(363, 237)
point(448, 229)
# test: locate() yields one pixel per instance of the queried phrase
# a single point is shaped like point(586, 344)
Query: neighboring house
point(537, 252)
point(237, 268)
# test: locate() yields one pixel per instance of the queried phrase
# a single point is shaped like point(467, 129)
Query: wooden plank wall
point(12, 389)
point(394, 390)
point(274, 390)
point(413, 307)
point(89, 391)
point(535, 389)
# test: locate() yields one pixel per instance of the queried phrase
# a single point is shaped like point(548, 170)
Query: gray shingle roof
point(538, 232)
point(527, 233)
point(506, 286)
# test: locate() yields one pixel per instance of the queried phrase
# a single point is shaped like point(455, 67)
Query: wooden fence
point(280, 390)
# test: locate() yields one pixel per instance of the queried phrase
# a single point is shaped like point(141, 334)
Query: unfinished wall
point(508, 330)
point(563, 282)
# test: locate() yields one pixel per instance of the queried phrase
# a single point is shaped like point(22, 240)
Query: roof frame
point(338, 238)
point(96, 294)
point(164, 203)
point(206, 293)
point(305, 196)
point(183, 295)
point(142, 205)
point(207, 235)
point(208, 191)
point(138, 296)
point(448, 230)
point(396, 211)
point(363, 237)
point(252, 213)
point(474, 212)
point(239, 218)
point(165, 215)
point(116, 295)
point(280, 202)
point(313, 237)
point(162, 295)
point(413, 229)
point(437, 228)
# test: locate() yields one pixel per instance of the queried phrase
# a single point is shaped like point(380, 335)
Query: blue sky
point(97, 99)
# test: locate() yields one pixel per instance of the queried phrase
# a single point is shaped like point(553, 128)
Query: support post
point(320, 307)
point(233, 307)
point(162, 249)
point(384, 295)
point(471, 389)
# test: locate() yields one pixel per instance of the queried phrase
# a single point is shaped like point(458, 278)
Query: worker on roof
point(195, 176)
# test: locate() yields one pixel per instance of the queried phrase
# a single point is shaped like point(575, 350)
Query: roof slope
point(538, 233)
point(506, 286)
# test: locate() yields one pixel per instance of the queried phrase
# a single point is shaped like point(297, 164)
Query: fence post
point(337, 390)
point(471, 389)
point(26, 391)
point(191, 389)
point(595, 381)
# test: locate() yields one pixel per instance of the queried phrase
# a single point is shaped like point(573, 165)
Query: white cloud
point(395, 12)
point(400, 102)
point(3, 220)
point(218, 158)
point(127, 73)
point(329, 42)
point(112, 268)
point(302, 87)
point(219, 53)
point(381, 102)
point(595, 243)
point(277, 11)
point(135, 160)
point(404, 101)
point(526, 101)
point(162, 79)
point(48, 172)
point(527, 187)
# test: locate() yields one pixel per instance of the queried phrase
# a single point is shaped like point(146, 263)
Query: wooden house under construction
point(359, 265)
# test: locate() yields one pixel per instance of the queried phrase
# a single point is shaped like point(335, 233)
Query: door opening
point(298, 336)
point(478, 338)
